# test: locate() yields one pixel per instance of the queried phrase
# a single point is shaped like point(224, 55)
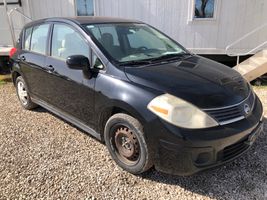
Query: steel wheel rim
point(22, 93)
point(126, 145)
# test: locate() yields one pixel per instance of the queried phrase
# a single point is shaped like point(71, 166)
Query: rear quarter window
point(27, 38)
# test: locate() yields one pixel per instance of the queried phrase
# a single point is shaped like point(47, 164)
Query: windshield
point(125, 42)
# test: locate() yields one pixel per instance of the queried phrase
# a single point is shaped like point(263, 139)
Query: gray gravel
point(43, 157)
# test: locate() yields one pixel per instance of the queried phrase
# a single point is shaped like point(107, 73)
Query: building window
point(85, 7)
point(204, 9)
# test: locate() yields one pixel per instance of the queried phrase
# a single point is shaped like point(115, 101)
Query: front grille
point(224, 115)
point(234, 150)
point(233, 113)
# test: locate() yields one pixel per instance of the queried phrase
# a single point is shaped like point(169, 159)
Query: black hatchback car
point(150, 100)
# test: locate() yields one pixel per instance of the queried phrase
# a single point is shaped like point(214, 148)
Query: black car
point(150, 100)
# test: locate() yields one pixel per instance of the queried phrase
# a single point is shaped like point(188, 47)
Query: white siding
point(52, 8)
point(234, 18)
point(36, 9)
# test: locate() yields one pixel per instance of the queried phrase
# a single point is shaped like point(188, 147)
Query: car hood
point(200, 81)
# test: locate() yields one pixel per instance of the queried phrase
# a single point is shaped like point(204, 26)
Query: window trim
point(191, 12)
point(76, 12)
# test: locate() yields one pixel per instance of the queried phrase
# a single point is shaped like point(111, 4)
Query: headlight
point(180, 113)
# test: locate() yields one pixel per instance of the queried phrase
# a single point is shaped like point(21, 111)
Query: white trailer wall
point(234, 18)
point(35, 9)
point(5, 36)
point(52, 8)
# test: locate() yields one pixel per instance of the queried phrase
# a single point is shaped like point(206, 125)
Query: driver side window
point(67, 42)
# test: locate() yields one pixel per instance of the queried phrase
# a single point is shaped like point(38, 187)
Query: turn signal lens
point(160, 110)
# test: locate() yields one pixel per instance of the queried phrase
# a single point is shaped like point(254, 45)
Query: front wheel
point(124, 138)
point(23, 94)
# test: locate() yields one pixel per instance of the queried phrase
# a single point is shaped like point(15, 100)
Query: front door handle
point(50, 68)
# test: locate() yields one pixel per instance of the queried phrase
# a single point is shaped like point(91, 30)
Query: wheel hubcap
point(23, 95)
point(127, 145)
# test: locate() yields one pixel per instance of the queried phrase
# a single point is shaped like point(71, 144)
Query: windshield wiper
point(165, 57)
point(170, 57)
point(135, 62)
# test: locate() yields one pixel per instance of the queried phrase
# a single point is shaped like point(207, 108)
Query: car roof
point(84, 20)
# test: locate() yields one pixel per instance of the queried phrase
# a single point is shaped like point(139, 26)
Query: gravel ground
point(43, 157)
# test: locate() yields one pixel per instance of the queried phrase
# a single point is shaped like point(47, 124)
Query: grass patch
point(260, 87)
point(4, 79)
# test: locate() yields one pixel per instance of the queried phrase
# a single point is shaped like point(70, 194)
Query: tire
point(124, 138)
point(23, 94)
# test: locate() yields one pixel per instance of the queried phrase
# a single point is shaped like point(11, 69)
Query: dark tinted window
point(39, 38)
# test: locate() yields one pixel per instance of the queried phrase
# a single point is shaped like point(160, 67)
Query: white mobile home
point(204, 26)
point(207, 32)
point(227, 21)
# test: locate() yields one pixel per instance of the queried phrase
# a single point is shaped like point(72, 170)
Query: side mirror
point(78, 62)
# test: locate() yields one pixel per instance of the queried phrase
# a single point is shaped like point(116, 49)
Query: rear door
point(70, 91)
point(33, 56)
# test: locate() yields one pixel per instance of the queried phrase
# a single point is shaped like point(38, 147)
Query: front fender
point(113, 92)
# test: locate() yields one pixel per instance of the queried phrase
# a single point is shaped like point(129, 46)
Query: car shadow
point(40, 109)
point(244, 178)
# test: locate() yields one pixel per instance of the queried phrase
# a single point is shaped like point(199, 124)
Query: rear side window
point(39, 38)
point(67, 42)
point(27, 38)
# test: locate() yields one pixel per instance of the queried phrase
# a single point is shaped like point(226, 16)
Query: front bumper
point(185, 152)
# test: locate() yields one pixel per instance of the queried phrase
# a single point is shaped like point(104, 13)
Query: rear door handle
point(50, 68)
point(23, 58)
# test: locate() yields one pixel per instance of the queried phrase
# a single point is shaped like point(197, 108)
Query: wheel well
point(15, 75)
point(106, 115)
point(116, 110)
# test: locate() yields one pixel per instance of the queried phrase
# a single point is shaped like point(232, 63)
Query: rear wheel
point(124, 138)
point(23, 95)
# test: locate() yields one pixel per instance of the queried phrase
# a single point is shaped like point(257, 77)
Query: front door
point(70, 91)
